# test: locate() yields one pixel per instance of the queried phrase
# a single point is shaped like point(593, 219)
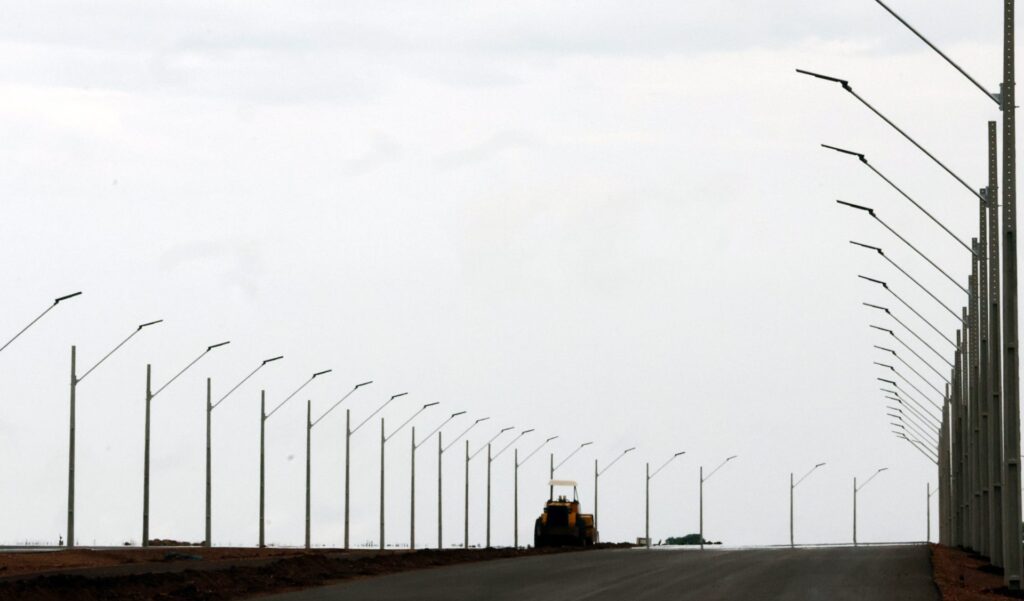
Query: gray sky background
point(607, 221)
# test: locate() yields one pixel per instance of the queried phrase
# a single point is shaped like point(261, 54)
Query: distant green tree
point(689, 539)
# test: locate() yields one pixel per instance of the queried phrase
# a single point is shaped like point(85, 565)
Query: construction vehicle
point(562, 524)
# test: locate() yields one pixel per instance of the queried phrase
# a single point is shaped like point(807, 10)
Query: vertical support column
point(791, 543)
point(995, 355)
point(309, 433)
point(973, 346)
point(551, 474)
point(488, 495)
point(702, 508)
point(412, 491)
point(515, 503)
point(855, 511)
point(984, 377)
point(263, 466)
point(348, 438)
point(382, 441)
point(145, 461)
point(1011, 399)
point(209, 493)
point(465, 503)
point(71, 453)
point(595, 496)
point(647, 504)
point(440, 453)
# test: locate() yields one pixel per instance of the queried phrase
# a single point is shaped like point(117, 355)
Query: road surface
point(878, 573)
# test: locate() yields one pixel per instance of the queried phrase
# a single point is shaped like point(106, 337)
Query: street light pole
point(465, 509)
point(348, 438)
point(383, 440)
point(647, 494)
point(309, 432)
point(553, 467)
point(440, 463)
point(856, 489)
point(264, 416)
point(702, 481)
point(412, 473)
point(209, 463)
point(75, 380)
point(150, 395)
point(597, 475)
point(491, 460)
point(792, 487)
point(515, 489)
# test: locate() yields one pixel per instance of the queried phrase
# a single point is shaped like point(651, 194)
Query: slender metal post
point(263, 470)
point(791, 543)
point(440, 462)
point(984, 373)
point(309, 431)
point(382, 441)
point(995, 355)
point(647, 504)
point(551, 474)
point(488, 495)
point(515, 501)
point(71, 454)
point(595, 495)
point(854, 511)
point(145, 460)
point(702, 508)
point(209, 493)
point(348, 438)
point(412, 492)
point(928, 511)
point(465, 507)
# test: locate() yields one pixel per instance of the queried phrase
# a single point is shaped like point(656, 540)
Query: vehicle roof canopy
point(562, 483)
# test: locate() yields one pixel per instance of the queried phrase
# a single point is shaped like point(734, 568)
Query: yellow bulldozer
point(562, 524)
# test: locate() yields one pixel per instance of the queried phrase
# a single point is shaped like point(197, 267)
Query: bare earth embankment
point(962, 576)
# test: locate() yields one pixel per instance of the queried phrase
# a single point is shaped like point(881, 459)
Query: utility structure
point(75, 380)
point(309, 435)
point(515, 489)
point(552, 467)
point(440, 465)
point(150, 395)
point(856, 489)
point(792, 487)
point(349, 431)
point(704, 479)
point(597, 476)
point(383, 441)
point(491, 459)
point(928, 511)
point(264, 416)
point(49, 308)
point(465, 506)
point(412, 473)
point(210, 406)
point(647, 494)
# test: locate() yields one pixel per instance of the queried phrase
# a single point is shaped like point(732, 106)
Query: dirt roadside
point(962, 576)
point(120, 575)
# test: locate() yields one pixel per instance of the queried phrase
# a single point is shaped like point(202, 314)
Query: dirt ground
point(962, 576)
point(135, 575)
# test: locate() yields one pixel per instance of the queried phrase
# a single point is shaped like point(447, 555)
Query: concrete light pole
point(209, 412)
point(412, 473)
point(383, 441)
point(491, 460)
point(56, 302)
point(465, 509)
point(149, 399)
point(515, 489)
point(264, 416)
point(597, 475)
point(348, 438)
point(647, 494)
point(552, 467)
point(75, 379)
point(856, 489)
point(792, 487)
point(702, 481)
point(309, 432)
point(440, 464)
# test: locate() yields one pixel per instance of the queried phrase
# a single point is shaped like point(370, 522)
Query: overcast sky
point(607, 221)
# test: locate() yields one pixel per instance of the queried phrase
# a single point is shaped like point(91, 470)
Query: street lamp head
point(679, 453)
point(483, 419)
point(880, 282)
point(868, 246)
point(884, 365)
point(320, 373)
point(869, 210)
point(882, 348)
point(731, 458)
point(148, 323)
point(879, 307)
point(219, 344)
point(458, 414)
point(361, 384)
point(265, 361)
point(431, 404)
point(585, 444)
point(65, 297)
point(550, 439)
point(880, 470)
point(841, 82)
point(505, 429)
point(859, 155)
point(819, 465)
point(628, 450)
point(887, 381)
point(395, 396)
point(524, 432)
point(887, 330)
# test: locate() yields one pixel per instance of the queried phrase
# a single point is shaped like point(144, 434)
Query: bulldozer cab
point(561, 498)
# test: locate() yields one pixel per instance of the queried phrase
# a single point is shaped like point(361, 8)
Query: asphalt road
point(879, 573)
